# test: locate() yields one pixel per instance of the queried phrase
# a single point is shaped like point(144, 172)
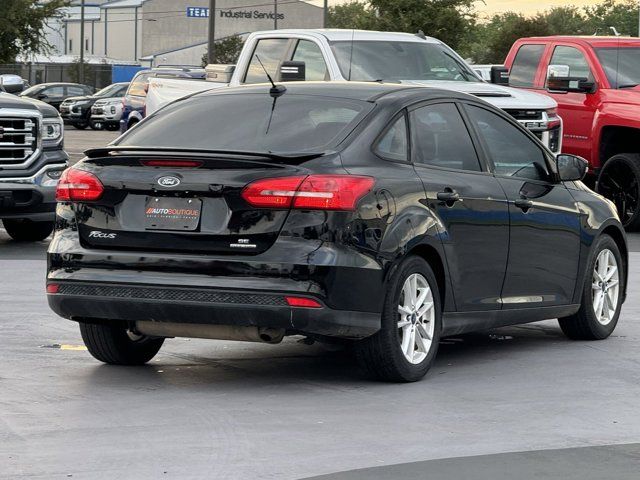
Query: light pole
point(275, 14)
point(81, 73)
point(212, 31)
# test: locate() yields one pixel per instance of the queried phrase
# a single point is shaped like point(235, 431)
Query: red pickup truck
point(595, 81)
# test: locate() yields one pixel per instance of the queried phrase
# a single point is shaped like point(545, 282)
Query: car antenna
point(276, 90)
point(353, 32)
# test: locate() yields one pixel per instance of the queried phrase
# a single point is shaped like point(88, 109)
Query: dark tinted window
point(271, 52)
point(525, 65)
point(55, 92)
point(77, 91)
point(393, 143)
point(374, 60)
point(309, 53)
point(622, 65)
point(513, 152)
point(250, 122)
point(440, 138)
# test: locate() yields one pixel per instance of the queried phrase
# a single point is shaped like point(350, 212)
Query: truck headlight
point(52, 131)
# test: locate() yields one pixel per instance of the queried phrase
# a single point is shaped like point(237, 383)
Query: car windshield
point(250, 122)
point(622, 65)
point(109, 91)
point(31, 90)
point(397, 61)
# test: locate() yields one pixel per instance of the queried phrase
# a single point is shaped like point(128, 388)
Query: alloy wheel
point(605, 286)
point(416, 322)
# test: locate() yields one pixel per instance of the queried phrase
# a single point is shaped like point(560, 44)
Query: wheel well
point(618, 237)
point(432, 257)
point(615, 140)
point(132, 122)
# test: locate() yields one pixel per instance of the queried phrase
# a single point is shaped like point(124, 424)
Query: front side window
point(270, 52)
point(309, 53)
point(525, 66)
point(251, 122)
point(439, 138)
point(513, 153)
point(393, 144)
point(574, 59)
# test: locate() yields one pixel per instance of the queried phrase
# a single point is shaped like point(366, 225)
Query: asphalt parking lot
point(518, 403)
point(77, 141)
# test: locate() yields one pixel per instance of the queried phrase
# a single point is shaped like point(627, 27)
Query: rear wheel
point(619, 181)
point(27, 230)
point(601, 295)
point(96, 125)
point(117, 345)
point(406, 345)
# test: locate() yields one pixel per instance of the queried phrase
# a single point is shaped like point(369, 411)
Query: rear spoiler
point(279, 157)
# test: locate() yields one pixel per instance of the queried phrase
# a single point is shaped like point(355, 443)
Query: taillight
point(315, 192)
point(77, 186)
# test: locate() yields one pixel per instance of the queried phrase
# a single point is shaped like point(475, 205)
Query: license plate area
point(170, 213)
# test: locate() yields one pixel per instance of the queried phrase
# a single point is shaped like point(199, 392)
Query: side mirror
point(500, 75)
point(559, 79)
point(293, 72)
point(571, 168)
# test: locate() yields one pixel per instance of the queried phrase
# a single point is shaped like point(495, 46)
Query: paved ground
point(222, 410)
point(77, 141)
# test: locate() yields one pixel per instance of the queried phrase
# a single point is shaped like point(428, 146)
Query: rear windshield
point(137, 86)
point(250, 122)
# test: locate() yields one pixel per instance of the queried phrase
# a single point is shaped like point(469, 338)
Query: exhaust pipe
point(214, 332)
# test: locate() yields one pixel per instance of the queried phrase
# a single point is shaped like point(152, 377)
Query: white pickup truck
point(342, 55)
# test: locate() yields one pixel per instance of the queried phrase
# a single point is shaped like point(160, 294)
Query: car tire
point(592, 321)
point(96, 125)
point(116, 345)
point(619, 181)
point(28, 230)
point(391, 354)
point(112, 127)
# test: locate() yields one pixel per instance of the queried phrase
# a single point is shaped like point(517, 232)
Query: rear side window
point(137, 87)
point(440, 138)
point(393, 144)
point(525, 66)
point(309, 53)
point(76, 91)
point(270, 52)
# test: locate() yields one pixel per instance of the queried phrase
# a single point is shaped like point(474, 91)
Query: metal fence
point(95, 75)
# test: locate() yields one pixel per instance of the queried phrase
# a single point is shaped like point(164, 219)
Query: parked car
point(106, 113)
point(56, 93)
point(133, 105)
point(596, 82)
point(12, 83)
point(32, 159)
point(383, 215)
point(76, 111)
point(342, 55)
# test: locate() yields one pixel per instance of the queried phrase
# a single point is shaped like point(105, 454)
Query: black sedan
point(56, 93)
point(76, 111)
point(382, 216)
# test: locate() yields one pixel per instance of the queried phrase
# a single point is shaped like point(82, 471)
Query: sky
point(489, 7)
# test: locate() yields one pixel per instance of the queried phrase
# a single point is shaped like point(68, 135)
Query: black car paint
point(53, 100)
point(343, 259)
point(80, 115)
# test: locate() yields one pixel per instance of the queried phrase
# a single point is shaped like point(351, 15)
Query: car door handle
point(448, 196)
point(524, 204)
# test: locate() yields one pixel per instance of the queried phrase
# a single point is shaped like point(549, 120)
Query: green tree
point(354, 14)
point(623, 15)
point(21, 26)
point(566, 21)
point(227, 50)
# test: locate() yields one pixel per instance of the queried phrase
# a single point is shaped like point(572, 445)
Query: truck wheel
point(601, 294)
point(117, 345)
point(619, 181)
point(406, 345)
point(27, 230)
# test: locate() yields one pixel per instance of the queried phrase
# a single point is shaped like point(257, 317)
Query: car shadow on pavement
point(248, 365)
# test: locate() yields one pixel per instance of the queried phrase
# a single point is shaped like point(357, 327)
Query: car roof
point(341, 34)
point(364, 91)
point(604, 41)
point(61, 84)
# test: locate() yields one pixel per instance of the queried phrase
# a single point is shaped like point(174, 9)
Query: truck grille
point(18, 140)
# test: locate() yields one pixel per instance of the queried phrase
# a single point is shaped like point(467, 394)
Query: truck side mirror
point(571, 168)
point(500, 75)
point(559, 79)
point(293, 71)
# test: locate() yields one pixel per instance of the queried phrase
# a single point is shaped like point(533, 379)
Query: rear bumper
point(117, 302)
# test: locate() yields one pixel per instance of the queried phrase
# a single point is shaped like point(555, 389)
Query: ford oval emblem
point(168, 181)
